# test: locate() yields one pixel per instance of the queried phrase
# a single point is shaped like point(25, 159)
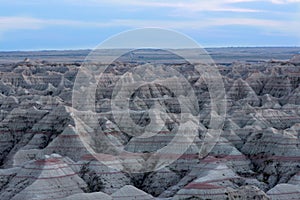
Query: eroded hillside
point(256, 157)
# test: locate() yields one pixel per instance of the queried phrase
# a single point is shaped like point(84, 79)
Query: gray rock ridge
point(257, 155)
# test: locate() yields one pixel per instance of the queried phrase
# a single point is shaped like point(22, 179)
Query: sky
point(83, 24)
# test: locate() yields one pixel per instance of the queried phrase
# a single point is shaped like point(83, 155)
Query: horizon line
point(91, 49)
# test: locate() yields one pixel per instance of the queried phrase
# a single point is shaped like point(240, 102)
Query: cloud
point(285, 1)
point(202, 24)
point(30, 23)
point(189, 15)
point(14, 23)
point(189, 5)
point(177, 21)
point(27, 23)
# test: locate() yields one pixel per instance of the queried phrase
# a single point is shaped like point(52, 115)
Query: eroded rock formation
point(257, 155)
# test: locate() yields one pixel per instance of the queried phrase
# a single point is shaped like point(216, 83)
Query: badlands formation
point(257, 156)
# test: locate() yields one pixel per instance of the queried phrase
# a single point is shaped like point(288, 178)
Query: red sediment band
point(49, 161)
point(203, 186)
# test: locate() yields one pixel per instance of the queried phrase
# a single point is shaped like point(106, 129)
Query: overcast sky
point(81, 24)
